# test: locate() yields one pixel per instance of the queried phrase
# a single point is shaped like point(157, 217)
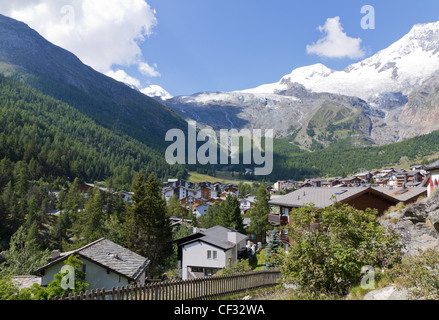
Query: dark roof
point(433, 166)
point(216, 236)
point(109, 255)
point(324, 197)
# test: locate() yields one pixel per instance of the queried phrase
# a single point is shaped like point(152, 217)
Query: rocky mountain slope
point(417, 224)
point(379, 100)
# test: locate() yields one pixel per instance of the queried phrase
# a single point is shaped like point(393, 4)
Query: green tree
point(92, 218)
point(23, 256)
point(175, 209)
point(8, 290)
point(258, 215)
point(330, 246)
point(226, 214)
point(148, 227)
point(74, 199)
point(272, 248)
point(233, 214)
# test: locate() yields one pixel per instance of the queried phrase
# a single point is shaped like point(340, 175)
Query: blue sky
point(204, 45)
point(189, 46)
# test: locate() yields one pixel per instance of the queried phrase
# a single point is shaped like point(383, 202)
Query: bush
point(239, 266)
point(330, 246)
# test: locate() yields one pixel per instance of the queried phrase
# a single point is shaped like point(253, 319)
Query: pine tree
point(259, 223)
point(235, 216)
point(92, 217)
point(272, 247)
point(149, 230)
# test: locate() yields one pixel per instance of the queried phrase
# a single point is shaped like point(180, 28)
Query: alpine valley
point(72, 121)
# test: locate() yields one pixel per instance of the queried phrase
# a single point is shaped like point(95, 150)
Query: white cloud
point(147, 70)
point(335, 43)
point(102, 33)
point(122, 76)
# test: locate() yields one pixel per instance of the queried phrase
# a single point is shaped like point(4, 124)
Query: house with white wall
point(105, 263)
point(207, 251)
point(433, 170)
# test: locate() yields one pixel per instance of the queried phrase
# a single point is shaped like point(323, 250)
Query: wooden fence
point(208, 288)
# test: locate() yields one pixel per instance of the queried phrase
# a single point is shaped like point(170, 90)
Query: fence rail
point(208, 288)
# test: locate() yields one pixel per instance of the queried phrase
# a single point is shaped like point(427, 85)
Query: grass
point(358, 292)
point(258, 263)
point(221, 176)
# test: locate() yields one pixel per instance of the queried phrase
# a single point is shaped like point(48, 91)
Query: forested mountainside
point(28, 57)
point(45, 144)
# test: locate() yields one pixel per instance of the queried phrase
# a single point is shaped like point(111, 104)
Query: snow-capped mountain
point(401, 67)
point(379, 100)
point(156, 91)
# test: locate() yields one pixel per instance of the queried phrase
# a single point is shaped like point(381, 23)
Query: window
point(209, 254)
point(197, 269)
point(214, 255)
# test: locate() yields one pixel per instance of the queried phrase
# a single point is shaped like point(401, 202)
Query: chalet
point(201, 209)
point(364, 175)
point(335, 181)
point(207, 251)
point(384, 174)
point(177, 223)
point(316, 183)
point(417, 168)
point(190, 200)
point(231, 188)
point(181, 191)
point(285, 185)
point(351, 181)
point(401, 180)
point(382, 181)
point(216, 200)
point(360, 198)
point(174, 183)
point(433, 171)
point(105, 263)
point(206, 191)
point(86, 188)
point(218, 187)
point(245, 204)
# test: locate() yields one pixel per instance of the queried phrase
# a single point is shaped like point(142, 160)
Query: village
point(206, 251)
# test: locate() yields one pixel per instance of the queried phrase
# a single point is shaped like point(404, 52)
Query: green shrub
point(330, 246)
point(239, 266)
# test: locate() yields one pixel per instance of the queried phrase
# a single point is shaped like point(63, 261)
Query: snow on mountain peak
point(308, 72)
point(155, 91)
point(398, 68)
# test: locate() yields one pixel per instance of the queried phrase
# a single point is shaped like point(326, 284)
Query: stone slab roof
point(109, 255)
point(216, 236)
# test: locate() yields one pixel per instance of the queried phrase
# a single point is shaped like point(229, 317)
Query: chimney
point(232, 236)
point(195, 230)
point(55, 254)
